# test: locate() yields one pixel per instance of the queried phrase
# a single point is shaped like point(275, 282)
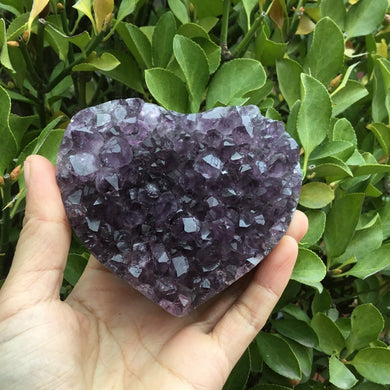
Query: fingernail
point(26, 167)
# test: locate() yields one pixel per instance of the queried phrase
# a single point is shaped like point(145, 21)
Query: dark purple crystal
point(178, 205)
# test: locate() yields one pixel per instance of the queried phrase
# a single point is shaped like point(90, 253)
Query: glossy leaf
point(85, 8)
point(334, 9)
point(371, 263)
point(316, 220)
point(137, 42)
point(248, 7)
point(304, 356)
point(343, 131)
point(339, 149)
point(309, 268)
point(331, 340)
point(278, 355)
point(179, 10)
point(296, 330)
point(288, 72)
point(75, 266)
point(4, 56)
point(126, 8)
point(373, 364)
point(341, 223)
point(268, 51)
point(168, 89)
point(322, 302)
point(193, 30)
point(240, 373)
point(326, 54)
point(347, 96)
point(370, 169)
point(366, 325)
point(364, 241)
point(194, 65)
point(314, 113)
point(340, 375)
point(105, 62)
point(127, 72)
point(233, 80)
point(364, 17)
point(162, 46)
point(212, 51)
point(315, 195)
point(8, 144)
point(382, 134)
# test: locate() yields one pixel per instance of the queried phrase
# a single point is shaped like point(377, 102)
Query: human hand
point(106, 335)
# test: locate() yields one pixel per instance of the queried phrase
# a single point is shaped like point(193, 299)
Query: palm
point(106, 335)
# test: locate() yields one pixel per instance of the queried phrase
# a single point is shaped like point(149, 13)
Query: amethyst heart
point(178, 205)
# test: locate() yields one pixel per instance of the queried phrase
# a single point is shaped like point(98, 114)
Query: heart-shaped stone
point(178, 205)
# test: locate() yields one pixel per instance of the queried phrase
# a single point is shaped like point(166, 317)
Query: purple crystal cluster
point(178, 205)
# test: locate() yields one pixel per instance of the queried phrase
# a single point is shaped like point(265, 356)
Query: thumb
point(40, 257)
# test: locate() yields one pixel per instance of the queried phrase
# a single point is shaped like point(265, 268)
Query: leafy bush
point(321, 66)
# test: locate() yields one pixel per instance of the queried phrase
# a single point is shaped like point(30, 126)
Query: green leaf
point(269, 387)
point(57, 40)
point(331, 340)
point(233, 80)
point(336, 10)
point(240, 373)
point(340, 375)
point(126, 8)
point(309, 268)
point(343, 131)
point(179, 10)
point(248, 7)
point(19, 125)
point(4, 57)
point(162, 41)
point(105, 62)
point(74, 268)
point(296, 330)
point(315, 195)
point(316, 229)
point(304, 356)
point(370, 169)
point(334, 169)
point(289, 73)
point(314, 114)
point(341, 223)
point(9, 8)
point(364, 241)
point(371, 263)
point(194, 65)
point(347, 96)
point(326, 54)
point(127, 72)
point(193, 30)
point(381, 90)
point(382, 134)
point(168, 89)
point(340, 149)
point(137, 42)
point(278, 355)
point(85, 8)
point(212, 51)
point(322, 302)
point(369, 386)
point(8, 144)
point(268, 51)
point(207, 8)
point(366, 325)
point(373, 364)
point(364, 17)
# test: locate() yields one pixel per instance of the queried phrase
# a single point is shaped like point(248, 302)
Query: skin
point(108, 336)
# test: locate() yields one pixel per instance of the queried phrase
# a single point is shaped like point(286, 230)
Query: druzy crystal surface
point(178, 205)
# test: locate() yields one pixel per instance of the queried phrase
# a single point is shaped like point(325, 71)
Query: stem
point(40, 42)
point(225, 53)
point(93, 43)
point(82, 92)
point(248, 36)
point(35, 79)
point(225, 23)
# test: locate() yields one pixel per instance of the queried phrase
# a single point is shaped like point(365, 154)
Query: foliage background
point(320, 66)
